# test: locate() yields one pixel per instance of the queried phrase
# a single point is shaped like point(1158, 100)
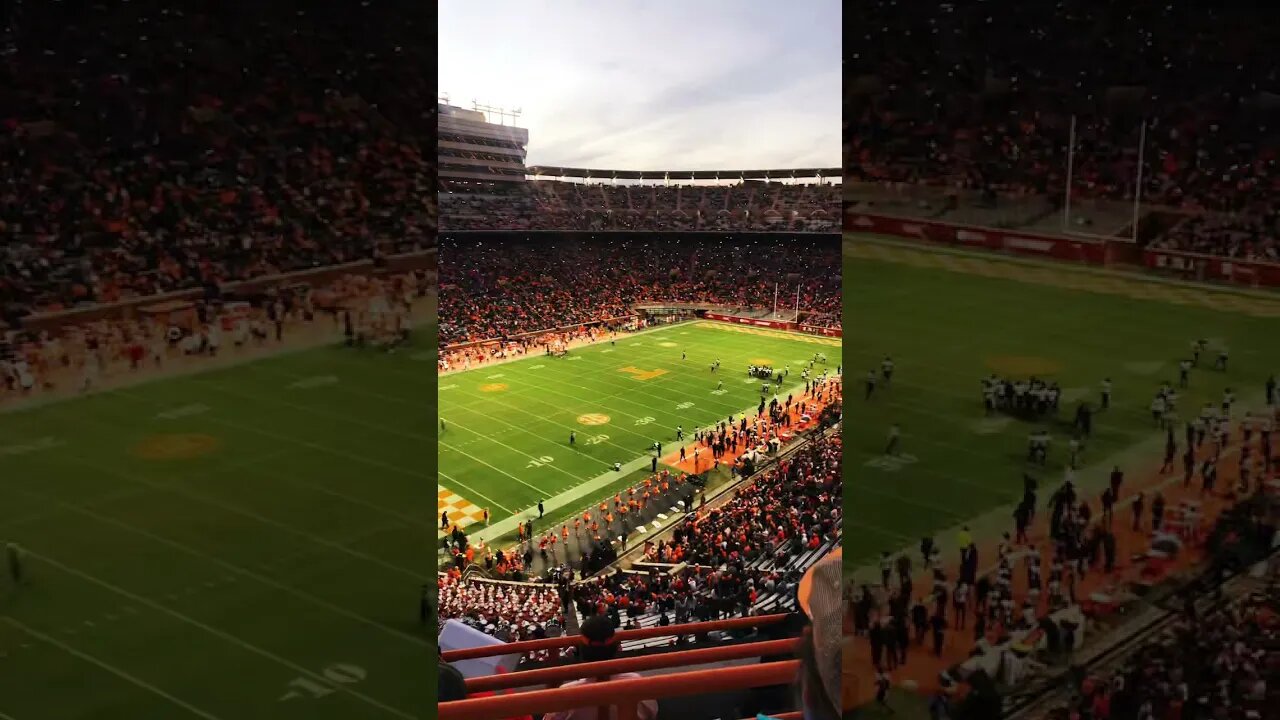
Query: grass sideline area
point(950, 319)
point(505, 442)
point(242, 543)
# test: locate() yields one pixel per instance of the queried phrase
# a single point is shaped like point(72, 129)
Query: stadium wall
point(775, 324)
point(1087, 251)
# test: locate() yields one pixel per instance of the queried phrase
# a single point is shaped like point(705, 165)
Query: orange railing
point(681, 658)
point(568, 641)
point(624, 694)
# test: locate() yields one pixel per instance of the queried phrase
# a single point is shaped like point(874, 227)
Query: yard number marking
point(540, 461)
point(644, 420)
point(338, 673)
point(44, 443)
point(184, 411)
point(597, 439)
point(891, 463)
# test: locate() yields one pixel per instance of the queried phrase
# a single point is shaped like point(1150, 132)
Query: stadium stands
point(1221, 664)
point(130, 168)
point(743, 557)
point(992, 114)
point(150, 152)
point(491, 291)
point(556, 205)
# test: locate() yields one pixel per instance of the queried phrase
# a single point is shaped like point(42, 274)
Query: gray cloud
point(658, 84)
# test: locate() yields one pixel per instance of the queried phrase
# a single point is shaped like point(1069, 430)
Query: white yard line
point(232, 567)
point(327, 449)
point(229, 638)
point(109, 668)
point(476, 493)
point(237, 510)
point(594, 485)
point(1089, 481)
point(527, 356)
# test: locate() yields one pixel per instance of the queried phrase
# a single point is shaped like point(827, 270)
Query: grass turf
point(947, 329)
point(241, 543)
point(506, 440)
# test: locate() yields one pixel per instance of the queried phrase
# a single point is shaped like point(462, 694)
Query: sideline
point(1056, 265)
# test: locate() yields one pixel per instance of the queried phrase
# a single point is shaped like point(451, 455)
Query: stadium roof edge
point(553, 171)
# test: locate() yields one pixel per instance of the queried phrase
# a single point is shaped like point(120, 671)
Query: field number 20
point(540, 461)
point(338, 673)
point(891, 463)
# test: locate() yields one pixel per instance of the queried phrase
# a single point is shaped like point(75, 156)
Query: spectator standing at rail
point(600, 644)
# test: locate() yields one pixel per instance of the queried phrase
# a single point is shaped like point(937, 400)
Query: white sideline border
point(603, 480)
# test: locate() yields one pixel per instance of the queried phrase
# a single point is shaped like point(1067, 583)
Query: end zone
point(461, 512)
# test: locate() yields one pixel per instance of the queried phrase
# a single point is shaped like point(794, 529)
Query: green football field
point(505, 442)
point(247, 542)
point(950, 320)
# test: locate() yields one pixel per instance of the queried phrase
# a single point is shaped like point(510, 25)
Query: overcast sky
point(654, 84)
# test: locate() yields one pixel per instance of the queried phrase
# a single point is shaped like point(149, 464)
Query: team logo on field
point(177, 446)
point(493, 387)
point(639, 374)
point(761, 361)
point(593, 419)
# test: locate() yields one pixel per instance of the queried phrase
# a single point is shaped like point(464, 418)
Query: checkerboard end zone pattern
point(461, 511)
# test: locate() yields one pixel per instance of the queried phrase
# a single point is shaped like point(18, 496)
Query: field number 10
point(338, 673)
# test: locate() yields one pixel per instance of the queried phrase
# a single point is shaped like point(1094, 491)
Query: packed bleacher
point(745, 556)
point(1246, 238)
point(793, 509)
point(146, 148)
point(988, 106)
point(507, 611)
point(492, 291)
point(556, 205)
point(1219, 665)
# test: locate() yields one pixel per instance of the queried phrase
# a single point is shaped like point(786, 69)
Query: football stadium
point(639, 435)
point(1064, 372)
point(214, 377)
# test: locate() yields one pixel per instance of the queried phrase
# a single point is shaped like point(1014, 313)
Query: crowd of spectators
point(1221, 665)
point(507, 611)
point(499, 289)
point(1095, 549)
point(793, 508)
point(749, 552)
point(93, 355)
point(1246, 238)
point(146, 148)
point(556, 205)
point(983, 98)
